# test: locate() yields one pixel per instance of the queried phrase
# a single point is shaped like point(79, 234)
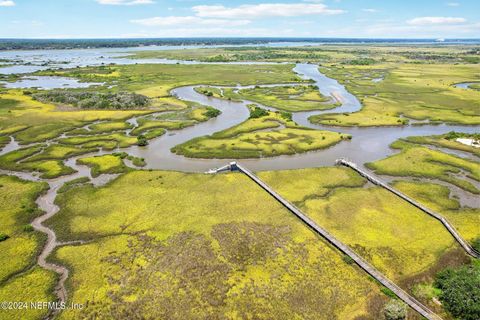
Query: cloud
point(32, 23)
point(370, 10)
point(250, 11)
point(125, 2)
point(7, 3)
point(424, 21)
point(209, 32)
point(453, 4)
point(188, 21)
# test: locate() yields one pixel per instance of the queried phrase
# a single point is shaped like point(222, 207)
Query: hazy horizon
point(127, 19)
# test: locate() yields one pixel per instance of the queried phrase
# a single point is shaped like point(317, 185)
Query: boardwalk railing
point(465, 245)
point(408, 299)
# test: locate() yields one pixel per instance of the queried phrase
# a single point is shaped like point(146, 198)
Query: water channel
point(368, 144)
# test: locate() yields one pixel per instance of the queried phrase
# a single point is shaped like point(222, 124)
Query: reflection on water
point(465, 85)
point(368, 144)
point(28, 61)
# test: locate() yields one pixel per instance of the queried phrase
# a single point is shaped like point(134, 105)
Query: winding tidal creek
point(368, 144)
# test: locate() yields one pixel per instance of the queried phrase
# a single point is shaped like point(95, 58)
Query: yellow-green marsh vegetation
point(251, 140)
point(20, 280)
point(419, 161)
point(401, 241)
point(288, 97)
point(47, 165)
point(437, 198)
point(104, 164)
point(406, 92)
point(234, 249)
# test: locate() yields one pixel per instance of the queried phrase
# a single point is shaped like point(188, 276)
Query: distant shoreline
point(45, 44)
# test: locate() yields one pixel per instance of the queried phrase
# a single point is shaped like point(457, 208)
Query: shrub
point(452, 135)
point(476, 244)
point(286, 115)
point(395, 310)
point(362, 62)
point(121, 155)
point(142, 141)
point(28, 228)
point(257, 112)
point(212, 112)
point(3, 237)
point(388, 292)
point(461, 291)
point(348, 259)
point(94, 100)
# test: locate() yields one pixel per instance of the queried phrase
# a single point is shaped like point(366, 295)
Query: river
point(368, 144)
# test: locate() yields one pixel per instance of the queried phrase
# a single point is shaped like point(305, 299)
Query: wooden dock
point(404, 296)
point(465, 245)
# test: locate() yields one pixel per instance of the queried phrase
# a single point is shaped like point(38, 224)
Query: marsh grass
point(251, 140)
point(108, 163)
point(20, 280)
point(230, 252)
point(437, 198)
point(398, 239)
point(419, 161)
point(406, 92)
point(49, 164)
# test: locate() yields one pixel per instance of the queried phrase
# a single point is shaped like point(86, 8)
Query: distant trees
point(362, 62)
point(461, 291)
point(94, 100)
point(452, 135)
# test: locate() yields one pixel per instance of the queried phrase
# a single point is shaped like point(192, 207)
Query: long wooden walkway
point(466, 246)
point(408, 299)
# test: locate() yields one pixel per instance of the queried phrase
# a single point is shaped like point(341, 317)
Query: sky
point(239, 18)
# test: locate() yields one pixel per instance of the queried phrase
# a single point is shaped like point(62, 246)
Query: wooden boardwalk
point(404, 296)
point(465, 245)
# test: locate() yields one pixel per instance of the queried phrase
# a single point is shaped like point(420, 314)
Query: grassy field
point(20, 280)
point(250, 140)
point(400, 240)
point(219, 244)
point(419, 161)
